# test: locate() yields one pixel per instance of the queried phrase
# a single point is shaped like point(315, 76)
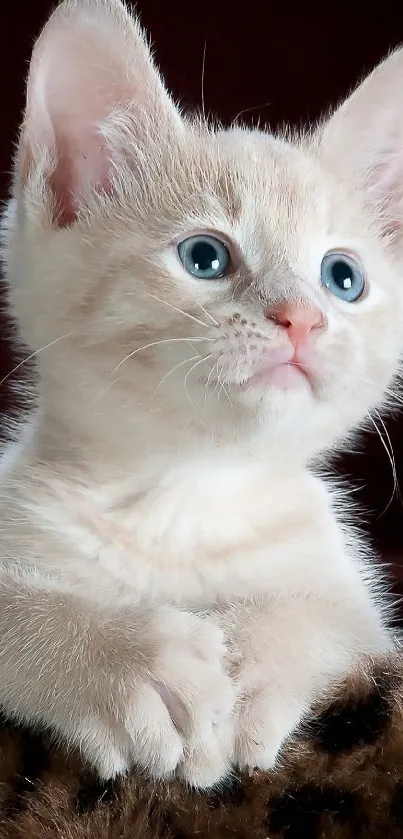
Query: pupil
point(205, 257)
point(342, 274)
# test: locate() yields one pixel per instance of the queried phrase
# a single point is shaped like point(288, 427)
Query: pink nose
point(299, 320)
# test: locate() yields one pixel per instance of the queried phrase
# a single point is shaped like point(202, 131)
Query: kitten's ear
point(364, 142)
point(90, 60)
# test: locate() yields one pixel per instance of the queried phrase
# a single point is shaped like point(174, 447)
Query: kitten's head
point(229, 280)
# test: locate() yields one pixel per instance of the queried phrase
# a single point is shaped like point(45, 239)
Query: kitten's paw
point(178, 716)
point(264, 721)
point(199, 696)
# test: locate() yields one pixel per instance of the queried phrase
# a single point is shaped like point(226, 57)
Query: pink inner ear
point(90, 61)
point(81, 86)
point(384, 187)
point(81, 166)
point(364, 142)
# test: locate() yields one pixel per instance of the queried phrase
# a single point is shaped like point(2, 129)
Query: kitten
point(210, 311)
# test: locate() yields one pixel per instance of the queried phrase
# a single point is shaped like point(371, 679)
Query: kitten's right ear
point(90, 61)
point(363, 142)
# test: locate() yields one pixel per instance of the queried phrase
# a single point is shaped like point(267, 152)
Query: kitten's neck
point(197, 467)
point(143, 453)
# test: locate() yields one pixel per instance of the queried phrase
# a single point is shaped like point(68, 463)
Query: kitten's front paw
point(264, 721)
point(179, 717)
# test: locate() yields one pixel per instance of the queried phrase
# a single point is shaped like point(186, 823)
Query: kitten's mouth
point(284, 375)
point(287, 368)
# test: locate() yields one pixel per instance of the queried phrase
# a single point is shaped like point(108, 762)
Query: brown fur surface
point(342, 777)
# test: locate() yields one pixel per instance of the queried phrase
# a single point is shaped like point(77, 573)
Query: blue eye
point(205, 257)
point(343, 276)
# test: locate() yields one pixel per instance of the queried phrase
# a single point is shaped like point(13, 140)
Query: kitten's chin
point(283, 391)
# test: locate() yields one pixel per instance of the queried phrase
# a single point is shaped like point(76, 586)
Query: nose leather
point(298, 319)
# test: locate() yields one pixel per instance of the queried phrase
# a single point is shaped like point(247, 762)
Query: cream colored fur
point(178, 582)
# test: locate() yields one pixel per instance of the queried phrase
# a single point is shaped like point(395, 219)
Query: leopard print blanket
point(341, 777)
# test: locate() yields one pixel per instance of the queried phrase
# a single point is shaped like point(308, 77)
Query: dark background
point(280, 61)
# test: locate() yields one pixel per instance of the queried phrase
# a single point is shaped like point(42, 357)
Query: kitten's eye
point(343, 276)
point(205, 257)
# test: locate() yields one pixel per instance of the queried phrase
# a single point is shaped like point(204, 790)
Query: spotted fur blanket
point(341, 777)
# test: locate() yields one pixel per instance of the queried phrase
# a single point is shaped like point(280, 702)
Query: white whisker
point(235, 289)
point(29, 357)
point(213, 367)
point(177, 309)
point(223, 388)
point(155, 344)
point(396, 488)
point(392, 393)
point(101, 394)
point(206, 358)
point(228, 397)
point(172, 370)
point(218, 384)
point(208, 314)
point(213, 320)
point(389, 452)
point(394, 396)
point(202, 78)
point(220, 390)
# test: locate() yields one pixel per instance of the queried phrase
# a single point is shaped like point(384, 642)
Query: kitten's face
point(263, 338)
point(230, 279)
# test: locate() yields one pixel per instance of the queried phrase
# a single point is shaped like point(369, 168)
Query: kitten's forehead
point(270, 191)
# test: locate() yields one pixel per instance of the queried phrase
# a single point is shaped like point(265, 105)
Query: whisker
point(218, 382)
point(390, 457)
point(252, 295)
point(177, 309)
point(223, 388)
point(32, 355)
point(244, 278)
point(208, 314)
point(393, 461)
point(202, 78)
point(251, 108)
point(172, 370)
point(206, 358)
point(393, 395)
point(236, 286)
point(155, 344)
point(213, 367)
point(104, 391)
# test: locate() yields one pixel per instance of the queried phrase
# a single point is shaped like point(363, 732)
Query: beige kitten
point(210, 311)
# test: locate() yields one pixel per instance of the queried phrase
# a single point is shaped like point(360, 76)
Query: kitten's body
point(176, 588)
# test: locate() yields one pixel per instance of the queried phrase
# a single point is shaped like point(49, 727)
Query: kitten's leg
point(285, 654)
point(144, 686)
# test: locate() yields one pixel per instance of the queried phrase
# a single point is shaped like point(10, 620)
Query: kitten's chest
point(187, 546)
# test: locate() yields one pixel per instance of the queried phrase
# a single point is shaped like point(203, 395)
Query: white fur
point(179, 584)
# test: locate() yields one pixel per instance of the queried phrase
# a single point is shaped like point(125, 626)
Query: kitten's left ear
point(90, 62)
point(363, 142)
